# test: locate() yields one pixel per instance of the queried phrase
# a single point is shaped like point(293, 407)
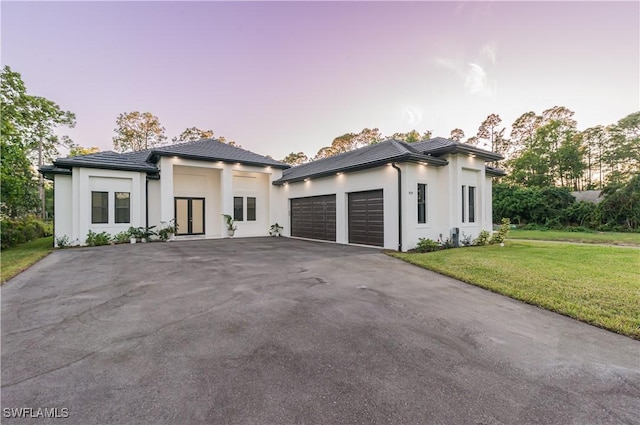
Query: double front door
point(189, 216)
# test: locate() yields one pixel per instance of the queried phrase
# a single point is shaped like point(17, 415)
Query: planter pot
point(231, 232)
point(172, 236)
point(132, 240)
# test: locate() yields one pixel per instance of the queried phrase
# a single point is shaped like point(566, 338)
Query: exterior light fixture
point(307, 179)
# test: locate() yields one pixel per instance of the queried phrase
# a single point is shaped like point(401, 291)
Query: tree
point(489, 130)
point(295, 158)
point(412, 136)
point(137, 131)
point(523, 130)
point(457, 135)
point(29, 125)
point(193, 134)
point(77, 150)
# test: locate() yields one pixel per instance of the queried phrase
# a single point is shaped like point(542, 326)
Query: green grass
point(610, 238)
point(15, 260)
point(599, 285)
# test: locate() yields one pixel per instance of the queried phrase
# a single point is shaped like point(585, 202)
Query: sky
point(280, 77)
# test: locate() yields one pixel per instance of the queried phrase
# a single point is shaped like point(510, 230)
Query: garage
point(314, 217)
point(366, 218)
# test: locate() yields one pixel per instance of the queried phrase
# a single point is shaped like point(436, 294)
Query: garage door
point(314, 217)
point(366, 218)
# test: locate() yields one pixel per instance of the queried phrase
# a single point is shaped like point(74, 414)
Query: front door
point(189, 216)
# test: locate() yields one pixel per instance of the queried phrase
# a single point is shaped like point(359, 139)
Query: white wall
point(218, 182)
point(63, 220)
point(384, 177)
point(73, 201)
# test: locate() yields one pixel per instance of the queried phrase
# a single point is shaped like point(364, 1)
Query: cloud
point(474, 74)
point(413, 114)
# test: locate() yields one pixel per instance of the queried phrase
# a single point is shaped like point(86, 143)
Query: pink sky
point(281, 77)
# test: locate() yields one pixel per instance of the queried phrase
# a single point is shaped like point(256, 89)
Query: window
point(123, 207)
point(422, 203)
point(251, 209)
point(99, 207)
point(238, 207)
point(472, 204)
point(464, 204)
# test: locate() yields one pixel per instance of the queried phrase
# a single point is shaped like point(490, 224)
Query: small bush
point(484, 237)
point(427, 245)
point(122, 237)
point(98, 239)
point(502, 233)
point(18, 231)
point(63, 241)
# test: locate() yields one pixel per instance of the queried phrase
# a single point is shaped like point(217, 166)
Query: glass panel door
point(182, 216)
point(197, 216)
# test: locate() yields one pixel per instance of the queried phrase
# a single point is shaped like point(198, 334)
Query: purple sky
point(281, 77)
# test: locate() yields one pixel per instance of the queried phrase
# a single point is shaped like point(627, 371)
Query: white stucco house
point(388, 195)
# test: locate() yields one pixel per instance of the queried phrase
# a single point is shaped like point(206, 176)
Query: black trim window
point(464, 203)
point(472, 204)
point(99, 207)
point(422, 203)
point(123, 207)
point(251, 209)
point(238, 207)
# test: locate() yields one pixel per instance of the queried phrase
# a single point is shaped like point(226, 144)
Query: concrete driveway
point(281, 331)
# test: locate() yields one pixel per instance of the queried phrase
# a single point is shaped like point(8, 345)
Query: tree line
point(542, 151)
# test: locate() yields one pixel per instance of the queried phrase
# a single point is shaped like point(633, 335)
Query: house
point(389, 194)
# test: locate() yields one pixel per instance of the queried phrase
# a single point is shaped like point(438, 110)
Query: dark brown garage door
point(366, 218)
point(314, 217)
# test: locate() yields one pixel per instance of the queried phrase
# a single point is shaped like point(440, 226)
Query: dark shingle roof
point(384, 152)
point(213, 150)
point(441, 146)
point(130, 161)
point(366, 157)
point(145, 160)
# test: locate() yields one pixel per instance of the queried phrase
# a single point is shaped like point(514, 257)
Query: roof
point(214, 150)
point(146, 160)
point(441, 146)
point(129, 161)
point(358, 159)
point(382, 153)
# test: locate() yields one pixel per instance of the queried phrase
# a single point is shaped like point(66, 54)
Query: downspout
point(146, 202)
point(394, 165)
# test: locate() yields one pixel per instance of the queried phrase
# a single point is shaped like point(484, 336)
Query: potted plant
point(229, 221)
point(168, 232)
point(275, 229)
point(134, 234)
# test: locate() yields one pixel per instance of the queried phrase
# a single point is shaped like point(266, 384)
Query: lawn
point(599, 285)
point(16, 259)
point(610, 238)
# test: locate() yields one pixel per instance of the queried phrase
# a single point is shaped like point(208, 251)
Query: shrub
point(98, 239)
point(122, 237)
point(484, 237)
point(502, 233)
point(63, 241)
point(427, 245)
point(17, 231)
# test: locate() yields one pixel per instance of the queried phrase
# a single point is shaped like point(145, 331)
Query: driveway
point(282, 331)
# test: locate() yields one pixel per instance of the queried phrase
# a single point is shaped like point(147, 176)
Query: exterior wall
point(73, 201)
point(218, 182)
point(444, 199)
point(153, 186)
point(63, 224)
point(200, 182)
point(385, 178)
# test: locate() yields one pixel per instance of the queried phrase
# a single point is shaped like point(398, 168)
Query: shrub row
point(18, 231)
point(556, 208)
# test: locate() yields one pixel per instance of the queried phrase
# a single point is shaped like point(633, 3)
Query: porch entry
point(189, 213)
